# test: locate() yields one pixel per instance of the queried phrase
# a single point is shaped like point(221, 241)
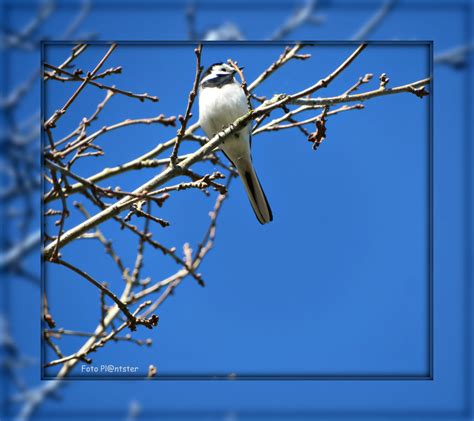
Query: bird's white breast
point(219, 107)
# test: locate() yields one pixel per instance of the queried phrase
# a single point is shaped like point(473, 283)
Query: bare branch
point(132, 320)
point(374, 21)
point(77, 50)
point(416, 88)
point(301, 16)
point(288, 54)
point(51, 122)
point(91, 81)
point(187, 115)
point(456, 57)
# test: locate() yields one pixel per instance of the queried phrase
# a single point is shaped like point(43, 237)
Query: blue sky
point(337, 284)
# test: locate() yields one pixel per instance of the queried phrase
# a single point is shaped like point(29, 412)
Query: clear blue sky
point(338, 283)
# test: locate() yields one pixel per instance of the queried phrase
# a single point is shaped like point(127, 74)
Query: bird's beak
point(241, 68)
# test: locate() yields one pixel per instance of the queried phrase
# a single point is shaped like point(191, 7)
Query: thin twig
point(90, 80)
point(416, 88)
point(374, 21)
point(161, 119)
point(187, 115)
point(51, 122)
point(76, 51)
point(132, 320)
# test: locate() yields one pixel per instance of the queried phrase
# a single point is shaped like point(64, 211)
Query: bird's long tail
point(257, 197)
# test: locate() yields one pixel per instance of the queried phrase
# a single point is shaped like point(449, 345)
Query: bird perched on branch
point(222, 100)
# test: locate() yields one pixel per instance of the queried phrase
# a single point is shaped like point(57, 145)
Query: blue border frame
point(467, 216)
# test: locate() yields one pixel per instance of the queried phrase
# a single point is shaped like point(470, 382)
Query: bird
point(222, 100)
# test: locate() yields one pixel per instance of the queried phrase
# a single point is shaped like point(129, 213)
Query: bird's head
point(218, 74)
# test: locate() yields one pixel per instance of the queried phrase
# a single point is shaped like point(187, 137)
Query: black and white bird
point(222, 101)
